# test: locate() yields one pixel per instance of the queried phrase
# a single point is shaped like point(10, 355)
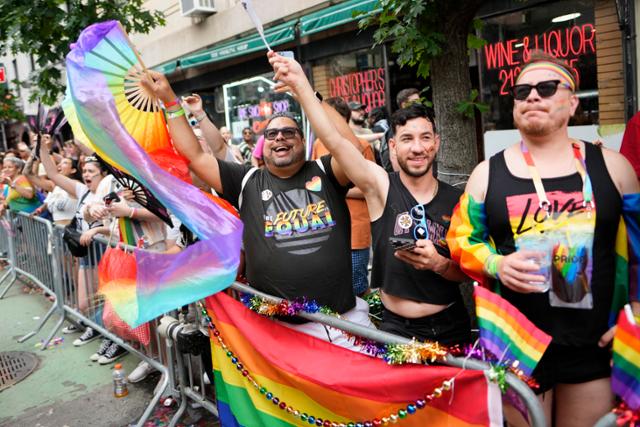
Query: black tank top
point(396, 277)
point(567, 326)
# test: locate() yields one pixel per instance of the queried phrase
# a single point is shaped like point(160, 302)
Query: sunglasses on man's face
point(545, 89)
point(288, 133)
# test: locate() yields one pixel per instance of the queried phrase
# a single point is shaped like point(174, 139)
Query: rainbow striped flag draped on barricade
point(625, 376)
point(270, 375)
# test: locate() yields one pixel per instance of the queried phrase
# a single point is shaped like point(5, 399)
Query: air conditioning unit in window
point(197, 8)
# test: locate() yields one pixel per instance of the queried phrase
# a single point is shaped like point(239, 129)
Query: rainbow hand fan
point(105, 108)
point(109, 51)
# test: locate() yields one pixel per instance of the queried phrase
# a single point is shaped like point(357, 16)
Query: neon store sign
point(366, 87)
point(566, 43)
point(258, 112)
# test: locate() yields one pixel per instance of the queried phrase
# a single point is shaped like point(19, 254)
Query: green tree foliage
point(46, 28)
point(9, 110)
point(435, 36)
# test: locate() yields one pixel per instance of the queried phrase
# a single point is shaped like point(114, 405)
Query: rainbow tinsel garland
point(393, 354)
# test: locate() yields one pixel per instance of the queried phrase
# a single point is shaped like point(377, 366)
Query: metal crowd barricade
point(77, 289)
point(192, 385)
point(30, 254)
point(6, 249)
point(37, 251)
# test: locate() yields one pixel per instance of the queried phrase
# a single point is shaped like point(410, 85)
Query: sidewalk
point(66, 389)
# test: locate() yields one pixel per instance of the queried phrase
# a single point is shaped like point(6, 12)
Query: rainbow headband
point(549, 66)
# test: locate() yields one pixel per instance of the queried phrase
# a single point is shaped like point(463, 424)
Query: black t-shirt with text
point(297, 232)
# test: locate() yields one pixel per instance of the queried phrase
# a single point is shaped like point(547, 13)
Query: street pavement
point(66, 389)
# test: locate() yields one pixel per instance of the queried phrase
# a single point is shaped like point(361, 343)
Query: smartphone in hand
point(402, 244)
point(287, 54)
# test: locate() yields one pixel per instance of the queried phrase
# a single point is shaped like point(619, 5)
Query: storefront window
point(251, 102)
point(564, 29)
point(357, 76)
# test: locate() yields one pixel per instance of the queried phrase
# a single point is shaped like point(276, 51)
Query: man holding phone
point(419, 286)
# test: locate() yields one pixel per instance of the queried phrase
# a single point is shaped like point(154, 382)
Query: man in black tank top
point(566, 196)
point(420, 283)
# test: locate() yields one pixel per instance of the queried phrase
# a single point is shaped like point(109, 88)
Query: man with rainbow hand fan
point(567, 196)
point(296, 222)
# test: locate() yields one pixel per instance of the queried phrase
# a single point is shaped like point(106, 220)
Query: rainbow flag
point(627, 279)
point(625, 375)
point(468, 238)
point(505, 331)
point(284, 373)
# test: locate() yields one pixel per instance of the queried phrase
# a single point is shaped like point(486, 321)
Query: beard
point(539, 127)
point(281, 162)
point(358, 121)
point(415, 172)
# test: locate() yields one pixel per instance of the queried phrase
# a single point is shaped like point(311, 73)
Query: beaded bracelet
point(491, 265)
point(175, 114)
point(172, 103)
point(201, 117)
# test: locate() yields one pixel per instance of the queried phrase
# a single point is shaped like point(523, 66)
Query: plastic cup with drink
point(542, 247)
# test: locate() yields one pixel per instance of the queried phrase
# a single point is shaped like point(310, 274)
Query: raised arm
point(66, 183)
point(30, 171)
point(366, 175)
point(210, 132)
point(205, 166)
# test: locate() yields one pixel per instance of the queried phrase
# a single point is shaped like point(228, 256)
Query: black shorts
point(449, 326)
point(563, 364)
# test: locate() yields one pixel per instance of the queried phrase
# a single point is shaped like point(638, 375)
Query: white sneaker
point(104, 346)
point(140, 372)
point(113, 353)
point(88, 336)
point(70, 329)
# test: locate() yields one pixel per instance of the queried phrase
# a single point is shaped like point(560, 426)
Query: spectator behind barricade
point(147, 232)
point(516, 214)
point(59, 202)
point(306, 232)
point(630, 147)
point(247, 144)
point(18, 193)
point(256, 155)
point(23, 151)
point(407, 97)
point(358, 123)
point(409, 212)
point(71, 150)
point(210, 134)
point(12, 152)
point(378, 121)
point(86, 193)
point(360, 222)
point(226, 135)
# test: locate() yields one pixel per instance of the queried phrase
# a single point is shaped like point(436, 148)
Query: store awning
point(167, 67)
point(338, 14)
point(275, 36)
